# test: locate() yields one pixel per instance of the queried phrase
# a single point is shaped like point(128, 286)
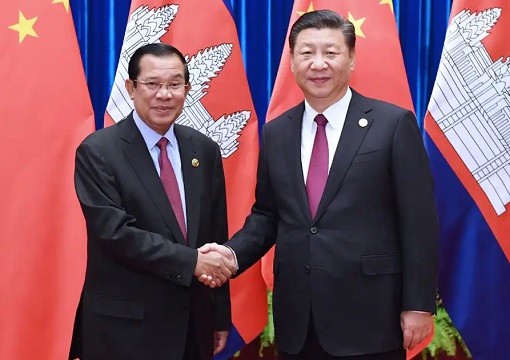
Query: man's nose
point(318, 62)
point(164, 91)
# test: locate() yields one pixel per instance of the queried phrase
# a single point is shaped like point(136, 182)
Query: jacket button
point(178, 277)
point(307, 269)
point(313, 230)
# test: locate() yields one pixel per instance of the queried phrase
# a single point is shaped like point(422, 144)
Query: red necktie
point(319, 164)
point(169, 181)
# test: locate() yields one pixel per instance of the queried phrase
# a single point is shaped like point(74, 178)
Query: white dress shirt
point(151, 138)
point(335, 114)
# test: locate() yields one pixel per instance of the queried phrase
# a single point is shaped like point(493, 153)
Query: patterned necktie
point(169, 181)
point(319, 163)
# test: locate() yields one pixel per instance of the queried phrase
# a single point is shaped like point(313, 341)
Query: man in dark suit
point(151, 192)
point(345, 192)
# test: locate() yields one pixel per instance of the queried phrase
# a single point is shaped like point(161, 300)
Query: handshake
point(215, 265)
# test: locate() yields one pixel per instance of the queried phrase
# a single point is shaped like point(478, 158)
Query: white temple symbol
point(471, 103)
point(147, 26)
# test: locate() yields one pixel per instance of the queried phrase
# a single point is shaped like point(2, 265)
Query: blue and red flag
point(468, 140)
point(219, 104)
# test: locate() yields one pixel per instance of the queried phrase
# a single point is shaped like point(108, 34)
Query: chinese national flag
point(219, 105)
point(377, 47)
point(377, 50)
point(45, 113)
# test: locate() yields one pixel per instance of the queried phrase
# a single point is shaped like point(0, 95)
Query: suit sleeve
point(222, 310)
point(259, 232)
point(416, 215)
point(117, 231)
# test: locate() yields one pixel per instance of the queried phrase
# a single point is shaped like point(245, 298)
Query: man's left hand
point(220, 340)
point(416, 326)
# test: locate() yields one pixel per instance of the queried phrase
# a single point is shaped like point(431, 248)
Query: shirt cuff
point(235, 256)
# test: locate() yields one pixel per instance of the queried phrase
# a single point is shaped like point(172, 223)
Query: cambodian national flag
point(219, 104)
point(468, 140)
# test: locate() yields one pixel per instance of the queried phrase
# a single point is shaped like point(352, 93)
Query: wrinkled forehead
point(161, 66)
point(322, 37)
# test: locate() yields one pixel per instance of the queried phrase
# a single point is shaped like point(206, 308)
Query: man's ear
point(353, 60)
point(130, 88)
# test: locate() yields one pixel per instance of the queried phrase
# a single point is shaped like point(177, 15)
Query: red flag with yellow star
point(377, 43)
point(46, 112)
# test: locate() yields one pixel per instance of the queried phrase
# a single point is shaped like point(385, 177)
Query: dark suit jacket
point(370, 252)
point(140, 299)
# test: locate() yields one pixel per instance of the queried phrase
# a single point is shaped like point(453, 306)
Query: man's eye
point(152, 83)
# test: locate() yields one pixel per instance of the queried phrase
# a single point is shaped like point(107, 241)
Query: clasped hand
point(215, 265)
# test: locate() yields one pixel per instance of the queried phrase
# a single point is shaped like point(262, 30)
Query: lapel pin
point(363, 122)
point(195, 163)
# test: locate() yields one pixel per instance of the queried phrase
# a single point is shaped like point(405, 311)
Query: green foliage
point(267, 335)
point(446, 337)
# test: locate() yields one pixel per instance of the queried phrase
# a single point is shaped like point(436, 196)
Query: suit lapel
point(292, 139)
point(349, 143)
point(137, 154)
point(191, 178)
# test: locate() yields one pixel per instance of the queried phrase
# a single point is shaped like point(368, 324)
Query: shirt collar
point(333, 113)
point(150, 136)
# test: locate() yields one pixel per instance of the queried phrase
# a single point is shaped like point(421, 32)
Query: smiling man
point(147, 209)
point(345, 192)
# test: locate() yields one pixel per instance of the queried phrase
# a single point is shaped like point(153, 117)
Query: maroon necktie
point(169, 181)
point(318, 169)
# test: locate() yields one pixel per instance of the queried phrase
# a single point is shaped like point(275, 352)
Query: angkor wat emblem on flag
point(148, 26)
point(471, 103)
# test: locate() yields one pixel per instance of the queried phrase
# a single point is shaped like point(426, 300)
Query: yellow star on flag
point(310, 8)
point(63, 2)
point(357, 25)
point(24, 27)
point(387, 2)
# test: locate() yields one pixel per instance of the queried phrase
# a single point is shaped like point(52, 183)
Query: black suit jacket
point(140, 299)
point(370, 252)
